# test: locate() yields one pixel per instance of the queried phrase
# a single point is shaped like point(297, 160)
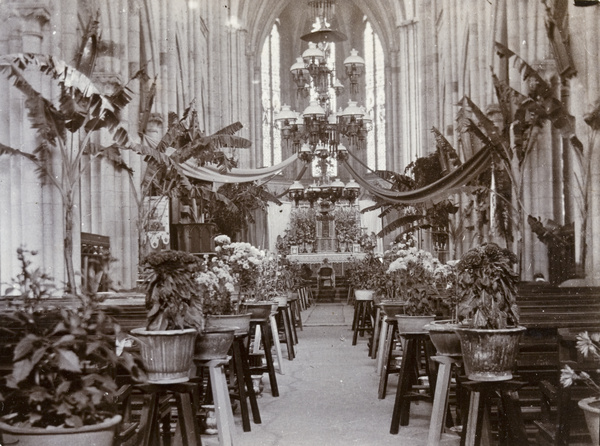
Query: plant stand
point(440, 413)
point(476, 428)
point(408, 378)
point(187, 432)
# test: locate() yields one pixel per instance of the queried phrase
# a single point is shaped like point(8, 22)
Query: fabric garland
point(236, 175)
point(433, 192)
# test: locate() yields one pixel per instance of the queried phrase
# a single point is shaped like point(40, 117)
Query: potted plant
point(222, 322)
point(588, 345)
point(174, 303)
point(365, 275)
point(62, 383)
point(489, 328)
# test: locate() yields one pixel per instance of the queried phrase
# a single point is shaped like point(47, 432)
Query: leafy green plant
point(366, 273)
point(173, 296)
point(64, 357)
point(588, 345)
point(217, 285)
point(487, 287)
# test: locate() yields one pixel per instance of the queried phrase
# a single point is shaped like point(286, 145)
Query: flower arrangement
point(487, 287)
point(346, 225)
point(415, 277)
point(64, 357)
point(216, 286)
point(366, 273)
point(243, 259)
point(589, 346)
point(368, 242)
point(173, 297)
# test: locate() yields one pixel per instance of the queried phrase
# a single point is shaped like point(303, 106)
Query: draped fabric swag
point(236, 175)
point(433, 192)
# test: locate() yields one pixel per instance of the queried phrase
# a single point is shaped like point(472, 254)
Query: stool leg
point(358, 308)
point(187, 422)
point(269, 358)
point(382, 344)
point(149, 420)
point(440, 403)
point(241, 385)
point(387, 360)
point(292, 318)
point(224, 414)
point(275, 332)
point(402, 405)
point(289, 336)
point(248, 380)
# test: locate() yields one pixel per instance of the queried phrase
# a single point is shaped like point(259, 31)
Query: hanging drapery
point(236, 175)
point(433, 192)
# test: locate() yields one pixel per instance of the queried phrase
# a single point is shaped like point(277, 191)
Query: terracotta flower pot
point(97, 434)
point(489, 355)
point(239, 322)
point(258, 310)
point(167, 354)
point(591, 410)
point(444, 338)
point(412, 324)
point(213, 343)
point(392, 308)
point(364, 294)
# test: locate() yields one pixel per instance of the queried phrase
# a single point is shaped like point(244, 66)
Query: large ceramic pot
point(239, 322)
point(364, 294)
point(214, 343)
point(97, 434)
point(412, 324)
point(591, 410)
point(444, 338)
point(167, 355)
point(489, 355)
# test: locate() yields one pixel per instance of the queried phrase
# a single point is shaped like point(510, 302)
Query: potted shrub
point(365, 275)
point(489, 328)
point(588, 346)
point(174, 303)
point(62, 388)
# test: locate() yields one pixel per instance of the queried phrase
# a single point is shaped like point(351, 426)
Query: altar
point(337, 259)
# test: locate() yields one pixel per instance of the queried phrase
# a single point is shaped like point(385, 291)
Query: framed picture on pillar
point(356, 247)
point(294, 250)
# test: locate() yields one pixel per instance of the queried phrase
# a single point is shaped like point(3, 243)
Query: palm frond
point(399, 223)
point(111, 153)
point(231, 129)
point(542, 89)
point(6, 150)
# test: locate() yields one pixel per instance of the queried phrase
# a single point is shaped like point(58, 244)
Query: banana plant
point(65, 124)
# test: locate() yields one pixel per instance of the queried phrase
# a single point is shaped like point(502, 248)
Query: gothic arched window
point(271, 97)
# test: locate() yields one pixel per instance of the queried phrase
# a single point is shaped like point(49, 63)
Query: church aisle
point(328, 397)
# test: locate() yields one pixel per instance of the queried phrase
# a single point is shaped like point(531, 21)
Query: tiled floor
point(328, 394)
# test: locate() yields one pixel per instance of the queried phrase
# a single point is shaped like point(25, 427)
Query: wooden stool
point(283, 315)
point(388, 359)
point(263, 331)
point(408, 378)
point(381, 349)
point(245, 389)
point(296, 311)
point(220, 393)
point(511, 428)
point(361, 322)
point(440, 400)
point(187, 432)
point(376, 332)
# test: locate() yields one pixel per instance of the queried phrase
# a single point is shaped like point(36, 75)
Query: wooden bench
point(546, 311)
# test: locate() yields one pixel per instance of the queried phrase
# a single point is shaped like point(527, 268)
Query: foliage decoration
point(487, 287)
point(173, 296)
point(64, 356)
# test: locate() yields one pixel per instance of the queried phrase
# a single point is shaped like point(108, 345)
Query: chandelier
point(327, 192)
point(319, 130)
